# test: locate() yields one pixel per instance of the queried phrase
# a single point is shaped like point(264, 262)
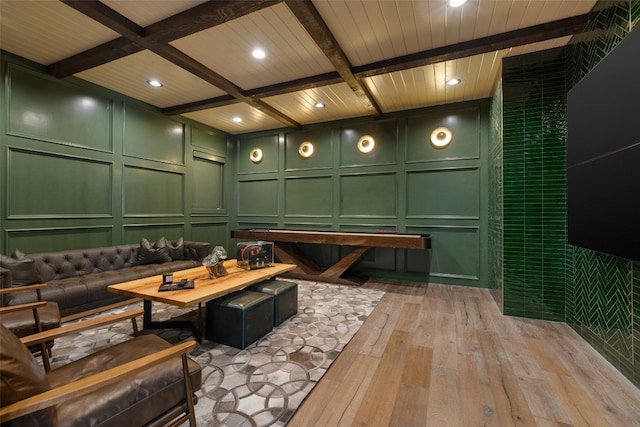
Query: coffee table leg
point(146, 318)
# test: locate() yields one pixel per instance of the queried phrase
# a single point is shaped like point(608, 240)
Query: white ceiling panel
point(147, 12)
point(130, 74)
point(222, 118)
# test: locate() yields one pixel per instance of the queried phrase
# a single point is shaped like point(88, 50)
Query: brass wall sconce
point(441, 137)
point(256, 155)
point(366, 144)
point(306, 150)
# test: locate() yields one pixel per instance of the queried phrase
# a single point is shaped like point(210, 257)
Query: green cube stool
point(285, 298)
point(239, 319)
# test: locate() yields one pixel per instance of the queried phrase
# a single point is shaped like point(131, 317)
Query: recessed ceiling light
point(237, 119)
point(154, 83)
point(258, 53)
point(319, 104)
point(456, 3)
point(454, 81)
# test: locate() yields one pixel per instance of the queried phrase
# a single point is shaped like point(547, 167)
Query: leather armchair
point(142, 381)
point(31, 318)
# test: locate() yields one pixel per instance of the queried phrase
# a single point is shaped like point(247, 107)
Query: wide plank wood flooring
point(436, 355)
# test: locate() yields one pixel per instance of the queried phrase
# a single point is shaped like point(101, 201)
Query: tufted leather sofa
point(78, 279)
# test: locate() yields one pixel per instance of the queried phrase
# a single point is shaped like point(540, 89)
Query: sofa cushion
point(22, 377)
point(175, 248)
point(152, 254)
point(23, 268)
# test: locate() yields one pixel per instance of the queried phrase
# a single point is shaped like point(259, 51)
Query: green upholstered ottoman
point(239, 319)
point(285, 298)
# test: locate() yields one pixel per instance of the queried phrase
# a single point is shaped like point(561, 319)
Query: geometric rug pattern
point(265, 383)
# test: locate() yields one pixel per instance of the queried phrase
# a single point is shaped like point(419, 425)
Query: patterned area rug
point(264, 384)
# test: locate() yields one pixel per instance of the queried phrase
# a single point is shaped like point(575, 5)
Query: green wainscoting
point(404, 184)
point(83, 167)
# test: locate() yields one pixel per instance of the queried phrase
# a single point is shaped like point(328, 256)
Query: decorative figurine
point(221, 253)
point(211, 263)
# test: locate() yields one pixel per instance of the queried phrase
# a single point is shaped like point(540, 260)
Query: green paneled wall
point(82, 167)
point(597, 294)
point(404, 184)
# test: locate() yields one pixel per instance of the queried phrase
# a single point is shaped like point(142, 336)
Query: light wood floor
point(434, 355)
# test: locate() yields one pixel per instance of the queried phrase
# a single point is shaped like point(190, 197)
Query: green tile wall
point(534, 99)
point(603, 292)
point(543, 276)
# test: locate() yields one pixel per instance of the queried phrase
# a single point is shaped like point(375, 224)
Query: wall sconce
point(441, 137)
point(366, 144)
point(256, 155)
point(305, 150)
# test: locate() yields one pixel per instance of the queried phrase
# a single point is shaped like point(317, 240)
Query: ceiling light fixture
point(237, 119)
point(319, 104)
point(259, 53)
point(453, 81)
point(456, 3)
point(155, 83)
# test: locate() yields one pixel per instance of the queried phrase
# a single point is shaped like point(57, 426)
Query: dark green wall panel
point(149, 135)
point(152, 192)
point(322, 157)
point(57, 239)
point(444, 193)
point(208, 139)
point(368, 195)
point(464, 124)
point(258, 198)
point(311, 197)
point(207, 184)
point(50, 110)
point(455, 252)
point(133, 233)
point(48, 185)
point(217, 234)
point(385, 135)
point(270, 160)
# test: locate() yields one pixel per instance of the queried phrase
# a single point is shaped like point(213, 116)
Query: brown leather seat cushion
point(136, 400)
point(22, 322)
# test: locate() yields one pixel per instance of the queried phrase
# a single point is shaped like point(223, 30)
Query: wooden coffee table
point(205, 289)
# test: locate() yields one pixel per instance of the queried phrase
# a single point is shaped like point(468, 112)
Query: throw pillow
point(152, 254)
point(23, 268)
point(175, 248)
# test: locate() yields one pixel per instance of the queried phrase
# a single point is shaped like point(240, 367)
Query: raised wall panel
point(152, 136)
point(444, 193)
point(47, 185)
point(50, 110)
point(217, 234)
point(322, 157)
point(309, 196)
point(133, 233)
point(269, 146)
point(455, 253)
point(465, 126)
point(368, 195)
point(51, 239)
point(258, 198)
point(207, 184)
point(385, 135)
point(208, 139)
point(152, 192)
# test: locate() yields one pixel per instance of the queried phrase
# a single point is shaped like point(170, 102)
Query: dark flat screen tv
point(603, 154)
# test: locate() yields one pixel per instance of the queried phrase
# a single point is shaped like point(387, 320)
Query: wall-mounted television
point(603, 154)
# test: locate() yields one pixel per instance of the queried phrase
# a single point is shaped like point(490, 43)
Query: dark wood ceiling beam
point(311, 20)
point(219, 101)
point(191, 21)
point(521, 37)
point(108, 17)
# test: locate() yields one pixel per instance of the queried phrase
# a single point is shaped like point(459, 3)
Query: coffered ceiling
point(357, 57)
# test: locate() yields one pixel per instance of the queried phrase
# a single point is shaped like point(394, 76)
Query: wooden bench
point(286, 251)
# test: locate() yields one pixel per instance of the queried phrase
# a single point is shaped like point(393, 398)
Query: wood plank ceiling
point(358, 57)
